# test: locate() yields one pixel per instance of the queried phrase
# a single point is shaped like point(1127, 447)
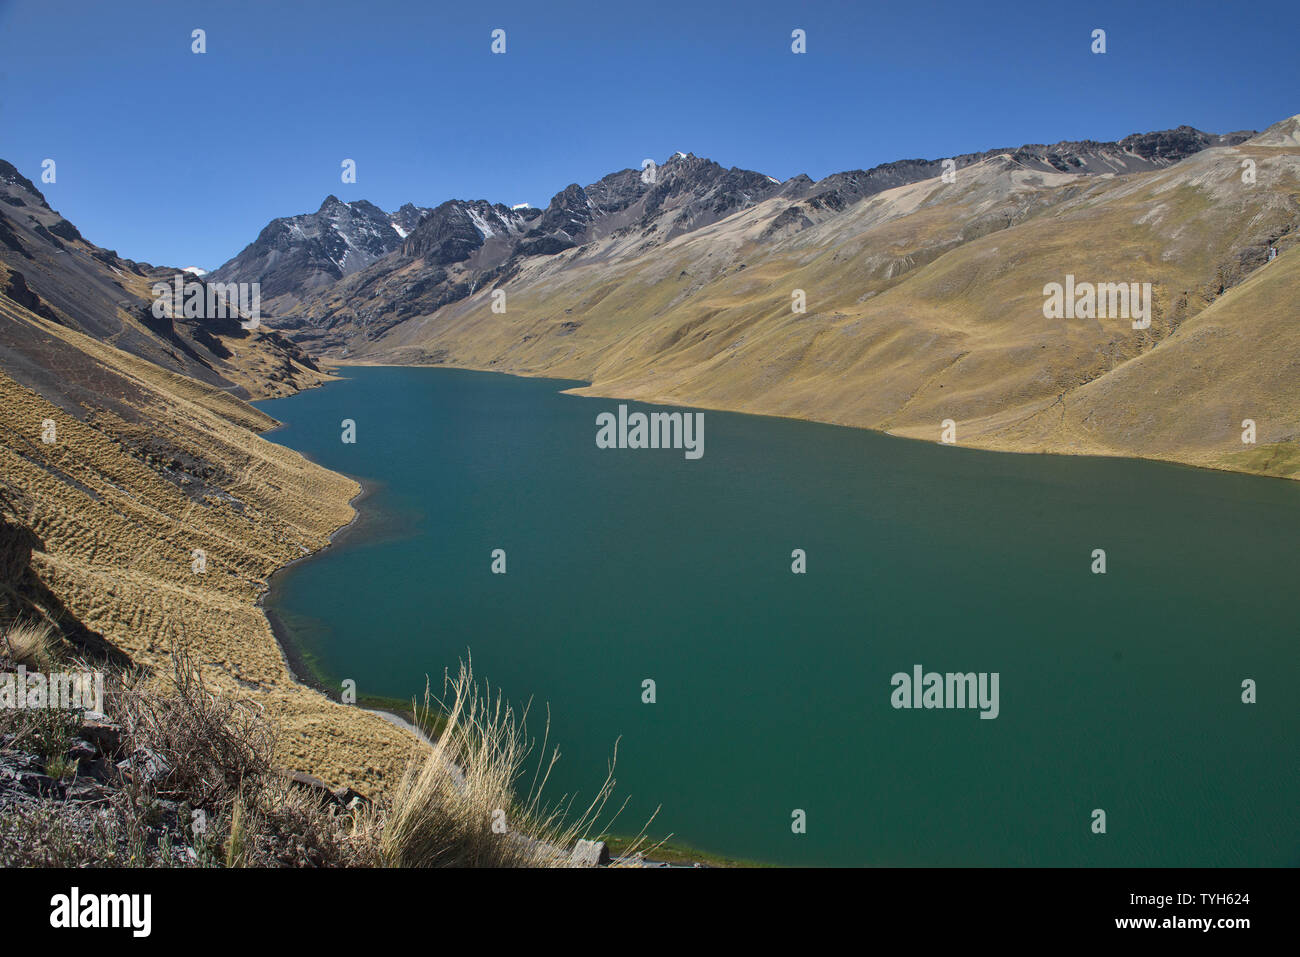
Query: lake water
point(1119, 691)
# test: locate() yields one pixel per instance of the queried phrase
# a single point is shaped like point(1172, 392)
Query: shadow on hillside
point(23, 596)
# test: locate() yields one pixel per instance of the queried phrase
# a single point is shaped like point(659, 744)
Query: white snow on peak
point(347, 241)
point(773, 179)
point(399, 230)
point(682, 155)
point(522, 206)
point(479, 223)
point(342, 234)
point(195, 271)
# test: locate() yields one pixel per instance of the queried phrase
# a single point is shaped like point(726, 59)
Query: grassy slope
point(1185, 401)
point(925, 303)
point(117, 533)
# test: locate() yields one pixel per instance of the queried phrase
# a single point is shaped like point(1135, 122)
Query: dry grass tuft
point(32, 644)
point(191, 755)
point(458, 806)
point(209, 744)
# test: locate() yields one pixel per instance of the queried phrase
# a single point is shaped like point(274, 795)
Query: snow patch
point(479, 223)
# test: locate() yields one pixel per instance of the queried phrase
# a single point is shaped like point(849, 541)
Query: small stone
point(145, 764)
point(84, 789)
point(103, 734)
point(82, 752)
point(590, 854)
point(347, 797)
point(36, 783)
point(314, 786)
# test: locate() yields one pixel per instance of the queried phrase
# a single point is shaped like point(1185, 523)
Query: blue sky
point(180, 159)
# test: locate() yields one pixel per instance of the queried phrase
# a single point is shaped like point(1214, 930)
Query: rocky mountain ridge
point(50, 269)
point(296, 255)
point(460, 246)
point(911, 305)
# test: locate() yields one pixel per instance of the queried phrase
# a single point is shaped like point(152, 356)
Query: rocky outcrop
point(296, 255)
point(454, 231)
point(50, 270)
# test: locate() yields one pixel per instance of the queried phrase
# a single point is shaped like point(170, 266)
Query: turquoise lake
point(1119, 691)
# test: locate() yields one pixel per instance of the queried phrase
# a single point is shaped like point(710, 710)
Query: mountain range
point(297, 255)
point(924, 283)
point(460, 246)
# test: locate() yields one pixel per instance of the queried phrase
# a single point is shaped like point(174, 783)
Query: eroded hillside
point(49, 268)
point(925, 302)
point(139, 508)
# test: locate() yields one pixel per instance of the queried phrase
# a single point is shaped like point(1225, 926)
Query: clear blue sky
point(180, 159)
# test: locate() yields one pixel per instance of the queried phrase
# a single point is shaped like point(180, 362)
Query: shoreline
point(294, 656)
point(301, 671)
point(591, 391)
point(296, 659)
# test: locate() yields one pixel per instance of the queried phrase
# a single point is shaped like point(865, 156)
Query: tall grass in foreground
point(173, 751)
point(210, 743)
point(459, 805)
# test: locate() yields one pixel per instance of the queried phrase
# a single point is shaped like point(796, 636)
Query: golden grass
point(118, 537)
point(32, 644)
point(209, 758)
point(461, 805)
